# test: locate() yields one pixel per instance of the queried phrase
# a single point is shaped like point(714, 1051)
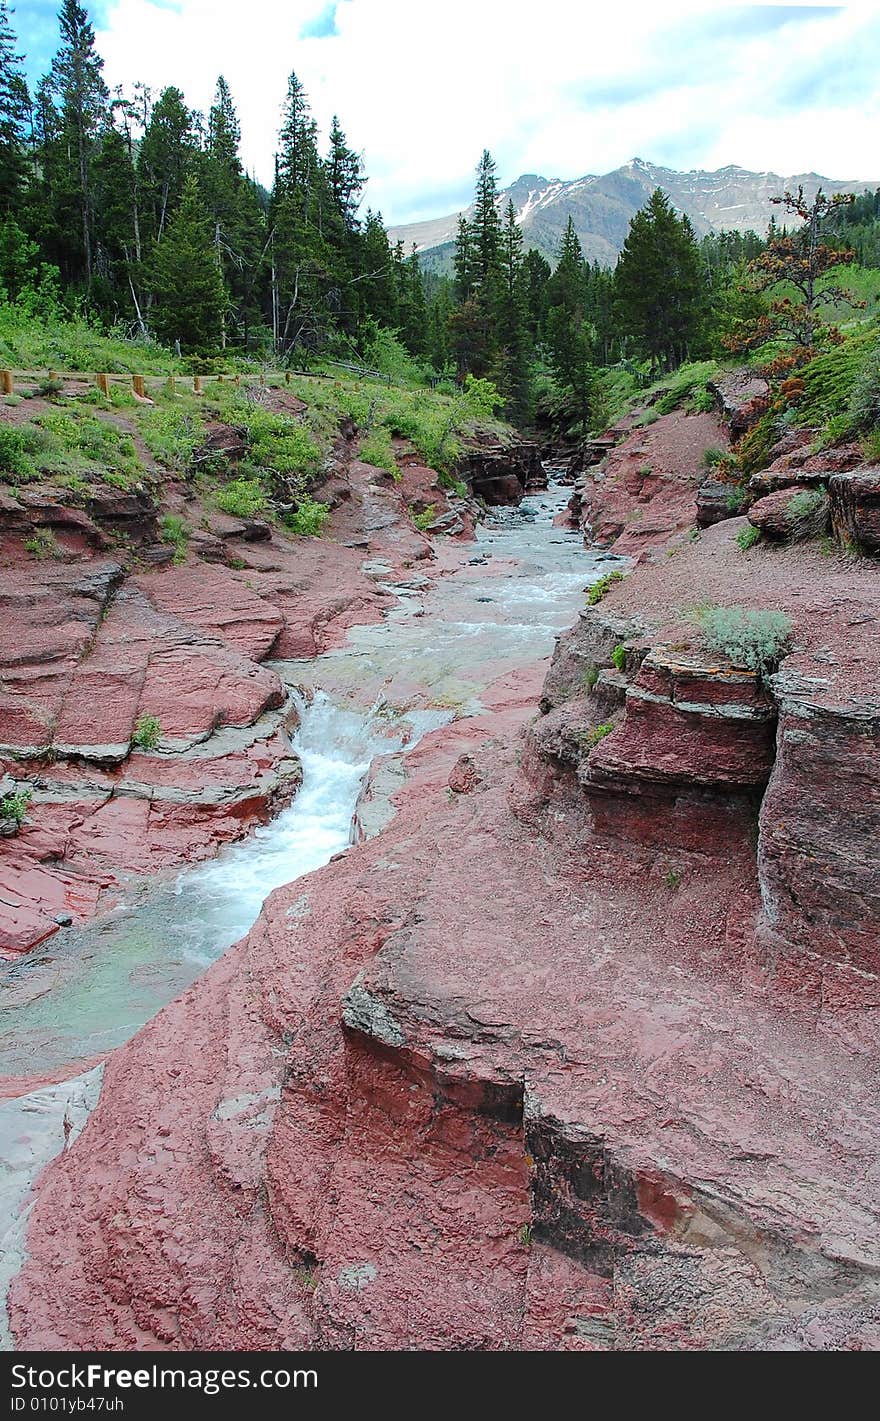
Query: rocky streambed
point(487, 617)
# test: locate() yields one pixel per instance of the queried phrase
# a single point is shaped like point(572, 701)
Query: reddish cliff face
point(565, 1058)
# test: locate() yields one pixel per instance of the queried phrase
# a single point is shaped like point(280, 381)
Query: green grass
point(173, 434)
point(618, 657)
point(424, 519)
point(42, 544)
point(747, 538)
point(173, 530)
point(600, 588)
point(28, 343)
point(376, 449)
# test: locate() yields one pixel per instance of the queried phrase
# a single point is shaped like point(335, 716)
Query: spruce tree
point(237, 221)
point(514, 373)
point(486, 223)
point(344, 176)
point(187, 284)
point(77, 78)
point(569, 334)
point(166, 154)
point(14, 112)
point(659, 285)
point(464, 261)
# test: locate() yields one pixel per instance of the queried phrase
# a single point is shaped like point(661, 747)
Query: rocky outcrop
point(792, 514)
point(855, 507)
point(819, 829)
point(742, 397)
point(643, 492)
point(501, 473)
point(716, 501)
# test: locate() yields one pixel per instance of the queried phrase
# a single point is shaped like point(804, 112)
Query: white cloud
point(561, 88)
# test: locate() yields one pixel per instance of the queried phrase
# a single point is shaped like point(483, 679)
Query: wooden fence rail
point(139, 383)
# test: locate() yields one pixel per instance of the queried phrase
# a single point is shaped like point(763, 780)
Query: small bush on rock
point(309, 518)
point(754, 641)
point(243, 498)
point(147, 732)
point(747, 538)
point(13, 807)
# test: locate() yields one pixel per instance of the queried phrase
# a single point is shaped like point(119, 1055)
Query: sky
point(560, 88)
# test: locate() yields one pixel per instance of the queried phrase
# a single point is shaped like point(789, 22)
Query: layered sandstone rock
point(792, 514)
point(855, 507)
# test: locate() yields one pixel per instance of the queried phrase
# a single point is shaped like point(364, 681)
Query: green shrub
point(309, 518)
point(712, 457)
point(602, 586)
point(14, 806)
point(481, 396)
point(618, 657)
point(172, 436)
point(747, 537)
point(591, 676)
point(173, 530)
point(864, 401)
point(735, 499)
point(17, 463)
point(806, 503)
point(243, 498)
point(424, 519)
point(277, 443)
point(147, 732)
point(702, 402)
point(376, 449)
point(871, 446)
point(754, 641)
point(42, 544)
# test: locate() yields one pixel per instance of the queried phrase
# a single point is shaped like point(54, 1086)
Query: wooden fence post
point(262, 378)
point(238, 379)
point(103, 383)
point(197, 384)
point(137, 385)
point(171, 385)
point(220, 379)
point(287, 377)
point(6, 383)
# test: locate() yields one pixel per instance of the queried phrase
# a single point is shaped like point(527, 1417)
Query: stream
point(496, 609)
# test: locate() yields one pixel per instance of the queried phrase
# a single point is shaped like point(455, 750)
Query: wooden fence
point(196, 383)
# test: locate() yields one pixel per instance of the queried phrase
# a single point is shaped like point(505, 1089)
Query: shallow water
point(89, 990)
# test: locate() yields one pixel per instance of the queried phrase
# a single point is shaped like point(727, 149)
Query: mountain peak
point(728, 199)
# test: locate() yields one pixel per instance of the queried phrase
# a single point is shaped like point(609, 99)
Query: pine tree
point(233, 206)
point(186, 279)
point(78, 80)
point(413, 311)
point(166, 154)
point(304, 290)
point(514, 372)
point(464, 261)
point(569, 333)
point(14, 112)
point(486, 224)
point(537, 275)
point(659, 285)
point(344, 176)
point(378, 291)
